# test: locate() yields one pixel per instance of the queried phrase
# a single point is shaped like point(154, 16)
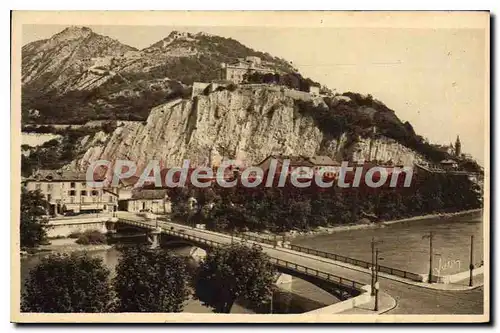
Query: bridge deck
point(280, 257)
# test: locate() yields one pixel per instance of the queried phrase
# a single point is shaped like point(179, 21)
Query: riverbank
point(381, 224)
point(357, 226)
point(65, 245)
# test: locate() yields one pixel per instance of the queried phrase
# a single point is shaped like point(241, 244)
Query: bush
point(92, 237)
point(108, 127)
point(75, 234)
point(67, 283)
point(232, 87)
point(56, 237)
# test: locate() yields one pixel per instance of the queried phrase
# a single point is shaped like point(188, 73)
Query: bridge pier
point(198, 253)
point(284, 281)
point(154, 238)
point(110, 227)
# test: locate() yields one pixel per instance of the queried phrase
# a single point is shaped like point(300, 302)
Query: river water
point(405, 245)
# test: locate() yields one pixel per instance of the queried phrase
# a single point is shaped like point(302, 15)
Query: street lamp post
point(376, 280)
point(471, 264)
point(156, 216)
point(272, 294)
point(377, 286)
point(430, 258)
point(373, 267)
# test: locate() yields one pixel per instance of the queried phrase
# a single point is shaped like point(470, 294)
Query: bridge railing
point(138, 223)
point(357, 262)
point(318, 274)
point(193, 238)
point(256, 238)
point(278, 262)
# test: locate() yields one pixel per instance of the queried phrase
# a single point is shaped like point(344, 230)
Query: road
point(411, 299)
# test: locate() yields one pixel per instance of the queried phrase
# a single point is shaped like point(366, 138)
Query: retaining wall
point(64, 227)
point(447, 279)
point(350, 303)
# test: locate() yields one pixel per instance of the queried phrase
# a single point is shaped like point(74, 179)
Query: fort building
point(236, 72)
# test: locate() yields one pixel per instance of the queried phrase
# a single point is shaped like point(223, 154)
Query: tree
point(150, 281)
point(67, 283)
point(232, 272)
point(33, 223)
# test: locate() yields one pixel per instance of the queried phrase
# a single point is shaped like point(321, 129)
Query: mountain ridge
point(78, 65)
point(56, 62)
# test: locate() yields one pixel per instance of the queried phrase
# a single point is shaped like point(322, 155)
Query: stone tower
point(458, 147)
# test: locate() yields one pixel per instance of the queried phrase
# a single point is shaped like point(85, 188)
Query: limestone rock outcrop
point(247, 124)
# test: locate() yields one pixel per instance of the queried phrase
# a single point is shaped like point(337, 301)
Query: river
point(405, 245)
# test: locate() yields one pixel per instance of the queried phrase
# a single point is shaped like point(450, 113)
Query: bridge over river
point(341, 277)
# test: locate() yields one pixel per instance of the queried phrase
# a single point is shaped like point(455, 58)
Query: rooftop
point(318, 160)
point(58, 175)
point(151, 194)
point(448, 162)
point(323, 160)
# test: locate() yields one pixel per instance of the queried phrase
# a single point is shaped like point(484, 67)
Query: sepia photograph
point(250, 167)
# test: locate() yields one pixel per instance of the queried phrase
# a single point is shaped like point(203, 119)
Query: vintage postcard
point(293, 167)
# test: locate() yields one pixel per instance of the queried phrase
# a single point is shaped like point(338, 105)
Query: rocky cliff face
point(247, 124)
point(383, 149)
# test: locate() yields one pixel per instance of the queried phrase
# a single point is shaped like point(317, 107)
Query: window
point(110, 198)
point(49, 197)
point(49, 187)
point(72, 184)
point(72, 193)
point(83, 193)
point(95, 193)
point(72, 199)
point(38, 186)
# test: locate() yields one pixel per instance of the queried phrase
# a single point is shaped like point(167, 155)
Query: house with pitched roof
point(326, 164)
point(153, 200)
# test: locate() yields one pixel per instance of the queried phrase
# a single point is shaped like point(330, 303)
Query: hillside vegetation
point(363, 116)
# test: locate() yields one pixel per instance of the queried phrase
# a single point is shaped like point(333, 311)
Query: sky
point(433, 78)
